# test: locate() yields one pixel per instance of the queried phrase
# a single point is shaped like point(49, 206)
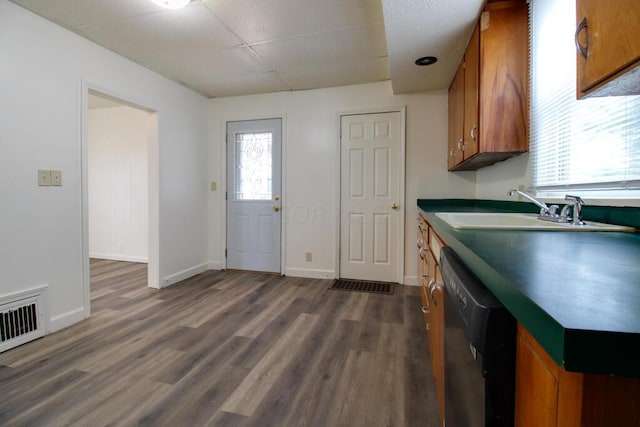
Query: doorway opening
point(120, 190)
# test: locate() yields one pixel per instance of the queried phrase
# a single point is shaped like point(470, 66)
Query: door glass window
point(253, 166)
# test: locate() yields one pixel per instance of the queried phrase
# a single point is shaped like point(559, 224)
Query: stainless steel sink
point(519, 221)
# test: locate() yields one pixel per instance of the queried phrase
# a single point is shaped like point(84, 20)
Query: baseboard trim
point(215, 265)
point(310, 273)
point(184, 274)
point(67, 319)
point(119, 257)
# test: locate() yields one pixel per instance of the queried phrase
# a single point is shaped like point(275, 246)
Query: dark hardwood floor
point(225, 349)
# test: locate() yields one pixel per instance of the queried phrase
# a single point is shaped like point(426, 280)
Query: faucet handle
point(577, 209)
point(553, 210)
point(575, 199)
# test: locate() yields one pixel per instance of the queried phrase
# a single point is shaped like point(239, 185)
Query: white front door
point(253, 195)
point(370, 197)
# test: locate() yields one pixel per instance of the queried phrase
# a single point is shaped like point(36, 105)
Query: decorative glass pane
point(253, 166)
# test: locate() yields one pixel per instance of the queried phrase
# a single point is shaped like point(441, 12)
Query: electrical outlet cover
point(44, 178)
point(56, 178)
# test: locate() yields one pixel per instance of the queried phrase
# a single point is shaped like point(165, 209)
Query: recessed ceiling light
point(426, 60)
point(171, 4)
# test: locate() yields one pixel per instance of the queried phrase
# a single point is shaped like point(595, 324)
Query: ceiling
point(225, 48)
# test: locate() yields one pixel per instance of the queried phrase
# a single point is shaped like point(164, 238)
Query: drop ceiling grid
point(236, 47)
point(310, 44)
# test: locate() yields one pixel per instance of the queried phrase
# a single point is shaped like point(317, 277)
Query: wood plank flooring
point(225, 349)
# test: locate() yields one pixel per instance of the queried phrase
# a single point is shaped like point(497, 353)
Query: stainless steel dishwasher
point(480, 337)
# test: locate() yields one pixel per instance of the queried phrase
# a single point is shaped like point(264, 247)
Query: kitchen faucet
point(544, 209)
point(549, 213)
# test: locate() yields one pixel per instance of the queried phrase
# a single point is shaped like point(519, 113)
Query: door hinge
point(225, 253)
point(225, 195)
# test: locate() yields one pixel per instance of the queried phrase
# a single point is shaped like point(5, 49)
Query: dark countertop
point(577, 293)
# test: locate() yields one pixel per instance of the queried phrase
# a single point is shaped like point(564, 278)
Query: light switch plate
point(44, 178)
point(56, 178)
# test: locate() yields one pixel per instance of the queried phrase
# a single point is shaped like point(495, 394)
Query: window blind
point(589, 145)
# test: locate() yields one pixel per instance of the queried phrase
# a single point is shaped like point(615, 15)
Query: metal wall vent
point(15, 323)
point(21, 320)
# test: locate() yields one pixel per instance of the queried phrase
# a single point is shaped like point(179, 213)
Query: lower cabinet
point(547, 395)
point(431, 292)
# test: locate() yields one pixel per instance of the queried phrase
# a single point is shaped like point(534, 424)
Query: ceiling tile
point(192, 29)
point(214, 69)
point(245, 84)
point(336, 73)
point(267, 20)
point(350, 44)
point(72, 13)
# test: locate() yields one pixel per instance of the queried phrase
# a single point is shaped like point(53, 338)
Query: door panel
point(370, 193)
point(254, 195)
point(381, 223)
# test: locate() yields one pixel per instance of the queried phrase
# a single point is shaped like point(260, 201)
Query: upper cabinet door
point(456, 118)
point(608, 44)
point(471, 94)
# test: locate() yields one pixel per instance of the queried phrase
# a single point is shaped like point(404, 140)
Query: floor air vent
point(21, 320)
point(362, 286)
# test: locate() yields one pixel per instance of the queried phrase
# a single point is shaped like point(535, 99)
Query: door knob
point(394, 206)
point(276, 208)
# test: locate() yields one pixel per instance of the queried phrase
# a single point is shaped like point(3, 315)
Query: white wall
point(117, 139)
point(42, 70)
point(494, 181)
point(311, 165)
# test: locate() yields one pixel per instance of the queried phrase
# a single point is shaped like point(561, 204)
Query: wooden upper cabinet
point(610, 39)
point(494, 104)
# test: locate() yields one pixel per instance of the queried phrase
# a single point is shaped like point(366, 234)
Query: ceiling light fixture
point(171, 4)
point(426, 60)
